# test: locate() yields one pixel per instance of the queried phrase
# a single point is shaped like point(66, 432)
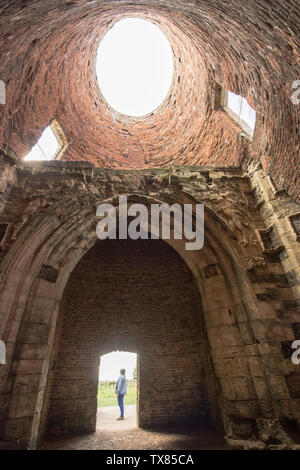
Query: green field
point(107, 396)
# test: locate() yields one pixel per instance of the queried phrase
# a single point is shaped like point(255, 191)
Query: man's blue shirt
point(121, 385)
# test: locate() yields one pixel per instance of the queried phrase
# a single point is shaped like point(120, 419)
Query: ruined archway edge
point(251, 48)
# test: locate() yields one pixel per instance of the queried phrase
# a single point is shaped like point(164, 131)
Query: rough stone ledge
point(239, 444)
point(85, 164)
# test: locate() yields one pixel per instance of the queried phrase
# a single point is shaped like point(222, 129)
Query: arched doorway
point(43, 261)
point(131, 296)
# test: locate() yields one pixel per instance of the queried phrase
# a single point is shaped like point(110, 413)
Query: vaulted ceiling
point(48, 52)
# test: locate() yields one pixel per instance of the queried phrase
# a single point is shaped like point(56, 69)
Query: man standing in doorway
point(121, 390)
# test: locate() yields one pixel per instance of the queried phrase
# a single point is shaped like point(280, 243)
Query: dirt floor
point(125, 435)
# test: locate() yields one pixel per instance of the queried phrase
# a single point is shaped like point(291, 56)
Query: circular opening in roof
point(134, 66)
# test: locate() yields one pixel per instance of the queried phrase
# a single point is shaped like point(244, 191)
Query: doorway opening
point(113, 301)
point(107, 401)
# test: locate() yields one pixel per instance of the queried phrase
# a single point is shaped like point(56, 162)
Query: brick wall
point(134, 296)
point(251, 48)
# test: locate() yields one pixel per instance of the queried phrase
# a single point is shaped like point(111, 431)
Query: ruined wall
point(280, 244)
point(249, 288)
point(134, 296)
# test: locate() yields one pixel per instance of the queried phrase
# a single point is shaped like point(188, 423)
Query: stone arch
point(53, 252)
point(115, 315)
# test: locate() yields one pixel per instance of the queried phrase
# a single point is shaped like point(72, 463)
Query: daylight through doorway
point(108, 410)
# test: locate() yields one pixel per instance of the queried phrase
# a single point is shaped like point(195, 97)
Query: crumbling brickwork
point(250, 48)
point(226, 314)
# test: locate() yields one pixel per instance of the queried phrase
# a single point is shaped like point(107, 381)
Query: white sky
point(134, 66)
point(45, 148)
point(110, 365)
point(241, 108)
